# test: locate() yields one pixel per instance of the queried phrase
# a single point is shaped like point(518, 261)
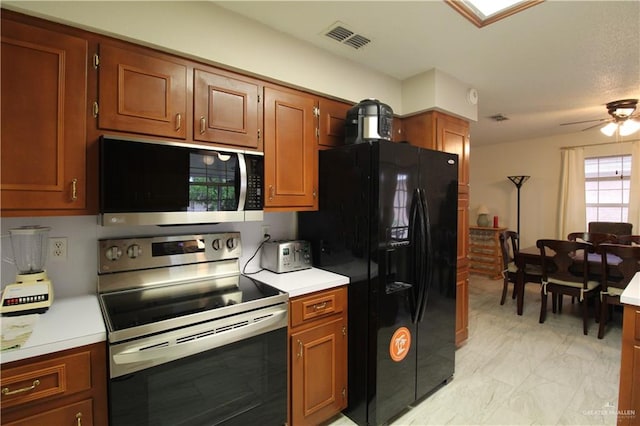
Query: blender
point(32, 292)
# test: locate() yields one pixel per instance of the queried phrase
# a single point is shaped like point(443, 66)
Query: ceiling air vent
point(343, 35)
point(499, 117)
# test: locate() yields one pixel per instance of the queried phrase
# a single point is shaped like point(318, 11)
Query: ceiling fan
point(623, 114)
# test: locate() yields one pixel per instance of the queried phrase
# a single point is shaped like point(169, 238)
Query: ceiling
point(557, 62)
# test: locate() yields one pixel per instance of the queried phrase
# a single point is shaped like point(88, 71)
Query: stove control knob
point(231, 243)
point(133, 251)
point(113, 253)
point(216, 244)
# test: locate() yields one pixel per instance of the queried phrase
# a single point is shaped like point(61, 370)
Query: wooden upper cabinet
point(290, 150)
point(419, 130)
point(226, 109)
point(333, 115)
point(398, 130)
point(452, 135)
point(142, 92)
point(44, 105)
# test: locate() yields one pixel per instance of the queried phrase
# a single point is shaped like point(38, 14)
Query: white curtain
point(634, 189)
point(572, 211)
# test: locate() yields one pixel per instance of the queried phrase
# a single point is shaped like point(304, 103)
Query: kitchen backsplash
point(77, 275)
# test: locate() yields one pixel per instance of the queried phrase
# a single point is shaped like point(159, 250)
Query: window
point(607, 181)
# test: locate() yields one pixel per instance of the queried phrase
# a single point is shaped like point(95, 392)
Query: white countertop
point(69, 323)
point(631, 294)
point(299, 283)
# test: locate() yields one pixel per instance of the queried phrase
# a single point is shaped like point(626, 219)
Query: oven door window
point(239, 384)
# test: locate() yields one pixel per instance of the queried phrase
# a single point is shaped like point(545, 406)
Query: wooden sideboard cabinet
point(629, 393)
point(63, 388)
point(318, 356)
point(485, 253)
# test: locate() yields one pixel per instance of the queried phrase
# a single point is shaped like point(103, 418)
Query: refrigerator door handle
point(427, 257)
point(421, 253)
point(415, 223)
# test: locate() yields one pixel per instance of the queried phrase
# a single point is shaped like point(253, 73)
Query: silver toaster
point(286, 256)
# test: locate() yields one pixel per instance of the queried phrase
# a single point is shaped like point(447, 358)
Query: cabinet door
point(79, 413)
point(290, 151)
point(419, 130)
point(44, 101)
point(226, 109)
point(462, 270)
point(452, 135)
point(333, 116)
point(140, 93)
point(319, 372)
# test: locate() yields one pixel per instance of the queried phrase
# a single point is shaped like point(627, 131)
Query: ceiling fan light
point(623, 112)
point(629, 127)
point(609, 129)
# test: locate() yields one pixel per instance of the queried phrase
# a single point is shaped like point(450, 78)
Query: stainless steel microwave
point(146, 182)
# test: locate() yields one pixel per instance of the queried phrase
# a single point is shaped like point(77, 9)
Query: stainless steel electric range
point(191, 340)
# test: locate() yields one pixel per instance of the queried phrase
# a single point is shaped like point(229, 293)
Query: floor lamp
point(518, 181)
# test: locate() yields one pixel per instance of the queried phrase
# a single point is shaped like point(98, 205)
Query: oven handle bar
point(174, 350)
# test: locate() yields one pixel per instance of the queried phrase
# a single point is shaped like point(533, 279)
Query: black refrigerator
point(387, 219)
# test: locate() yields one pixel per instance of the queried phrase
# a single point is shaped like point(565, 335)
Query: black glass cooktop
point(132, 308)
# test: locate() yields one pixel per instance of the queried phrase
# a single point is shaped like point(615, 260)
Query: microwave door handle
point(242, 163)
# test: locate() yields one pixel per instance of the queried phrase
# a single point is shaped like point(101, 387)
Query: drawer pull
point(178, 121)
point(203, 125)
point(299, 349)
point(79, 419)
point(6, 391)
point(319, 306)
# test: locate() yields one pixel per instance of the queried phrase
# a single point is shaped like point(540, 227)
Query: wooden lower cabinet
point(318, 356)
point(629, 393)
point(63, 388)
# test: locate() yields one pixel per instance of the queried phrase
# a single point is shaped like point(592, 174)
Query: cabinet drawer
point(79, 413)
point(317, 305)
point(46, 380)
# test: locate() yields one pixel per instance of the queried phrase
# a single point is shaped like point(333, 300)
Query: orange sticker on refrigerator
point(400, 344)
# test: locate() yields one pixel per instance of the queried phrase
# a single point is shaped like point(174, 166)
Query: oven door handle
point(170, 349)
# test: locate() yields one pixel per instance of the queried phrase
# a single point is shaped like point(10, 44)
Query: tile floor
point(514, 371)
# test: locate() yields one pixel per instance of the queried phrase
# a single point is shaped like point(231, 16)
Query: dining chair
point(616, 274)
point(617, 228)
point(565, 271)
point(629, 240)
point(595, 238)
point(510, 243)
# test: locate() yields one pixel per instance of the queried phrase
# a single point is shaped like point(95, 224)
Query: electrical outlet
point(265, 230)
point(58, 248)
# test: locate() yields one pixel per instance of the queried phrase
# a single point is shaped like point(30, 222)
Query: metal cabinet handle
point(319, 306)
point(6, 391)
point(74, 189)
point(299, 355)
point(315, 193)
point(272, 192)
point(79, 419)
point(178, 121)
point(203, 125)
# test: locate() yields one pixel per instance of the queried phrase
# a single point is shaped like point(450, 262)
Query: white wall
point(78, 274)
point(203, 30)
point(538, 158)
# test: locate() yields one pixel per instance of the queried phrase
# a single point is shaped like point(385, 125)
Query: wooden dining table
point(531, 256)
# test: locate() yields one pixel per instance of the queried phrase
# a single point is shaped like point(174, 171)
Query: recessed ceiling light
point(485, 12)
